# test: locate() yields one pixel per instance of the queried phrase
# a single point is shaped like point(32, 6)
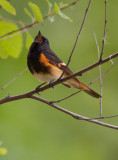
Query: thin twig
point(8, 20)
point(100, 75)
point(70, 4)
point(13, 35)
point(105, 117)
point(86, 11)
point(103, 41)
point(18, 30)
point(19, 74)
point(74, 115)
point(17, 33)
point(34, 23)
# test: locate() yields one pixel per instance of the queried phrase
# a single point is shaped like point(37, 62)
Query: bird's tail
point(77, 84)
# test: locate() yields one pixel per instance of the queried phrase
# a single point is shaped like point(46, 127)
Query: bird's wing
point(53, 59)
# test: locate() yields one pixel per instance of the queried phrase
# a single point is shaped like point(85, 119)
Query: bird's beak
point(39, 38)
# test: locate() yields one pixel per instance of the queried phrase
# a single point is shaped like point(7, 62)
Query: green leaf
point(3, 151)
point(56, 8)
point(64, 16)
point(29, 40)
point(7, 6)
point(36, 11)
point(10, 47)
point(28, 13)
point(60, 13)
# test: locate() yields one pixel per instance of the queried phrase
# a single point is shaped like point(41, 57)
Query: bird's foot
point(50, 83)
point(37, 88)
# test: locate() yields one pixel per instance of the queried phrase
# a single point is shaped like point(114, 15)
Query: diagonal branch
point(76, 39)
point(103, 41)
point(34, 23)
point(28, 94)
point(74, 115)
point(60, 100)
point(19, 74)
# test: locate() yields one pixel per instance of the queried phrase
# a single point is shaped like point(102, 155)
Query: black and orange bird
point(44, 64)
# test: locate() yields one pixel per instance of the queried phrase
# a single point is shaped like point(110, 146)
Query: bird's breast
point(53, 74)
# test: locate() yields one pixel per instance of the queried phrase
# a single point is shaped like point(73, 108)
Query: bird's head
point(41, 40)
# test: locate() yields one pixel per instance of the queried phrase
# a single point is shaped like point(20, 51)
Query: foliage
point(10, 34)
point(10, 47)
point(36, 11)
point(60, 13)
point(7, 6)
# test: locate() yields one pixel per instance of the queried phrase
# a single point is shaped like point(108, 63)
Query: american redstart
point(44, 64)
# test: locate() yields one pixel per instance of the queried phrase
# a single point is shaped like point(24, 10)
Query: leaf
point(59, 12)
point(28, 13)
point(10, 47)
point(56, 8)
point(7, 6)
point(3, 151)
point(36, 11)
point(29, 40)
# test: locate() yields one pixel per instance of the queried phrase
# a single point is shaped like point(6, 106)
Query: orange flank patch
point(44, 60)
point(55, 71)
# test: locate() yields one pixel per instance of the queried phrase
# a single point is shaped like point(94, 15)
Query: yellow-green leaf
point(64, 16)
point(10, 47)
point(60, 13)
point(3, 151)
point(28, 13)
point(7, 6)
point(29, 40)
point(36, 11)
point(56, 8)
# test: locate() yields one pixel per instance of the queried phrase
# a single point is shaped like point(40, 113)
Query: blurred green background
point(32, 130)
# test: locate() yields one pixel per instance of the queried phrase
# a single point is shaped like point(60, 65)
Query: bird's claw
point(50, 84)
point(37, 88)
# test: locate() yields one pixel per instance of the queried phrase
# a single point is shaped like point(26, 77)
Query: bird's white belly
point(56, 73)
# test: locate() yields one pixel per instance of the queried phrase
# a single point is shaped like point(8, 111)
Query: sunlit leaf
point(36, 11)
point(59, 12)
point(29, 40)
point(10, 47)
point(7, 6)
point(56, 8)
point(28, 13)
point(3, 151)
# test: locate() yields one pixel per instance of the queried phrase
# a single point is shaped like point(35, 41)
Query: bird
point(45, 65)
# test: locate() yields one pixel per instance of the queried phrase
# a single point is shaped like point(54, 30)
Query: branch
point(18, 30)
point(103, 41)
point(34, 23)
point(28, 94)
point(60, 100)
point(74, 115)
point(76, 39)
point(8, 20)
point(100, 75)
point(19, 74)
